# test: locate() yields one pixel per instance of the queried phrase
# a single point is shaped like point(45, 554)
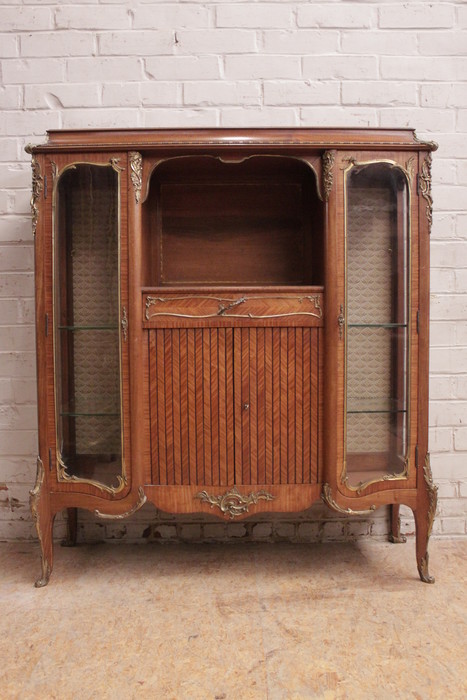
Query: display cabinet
point(232, 322)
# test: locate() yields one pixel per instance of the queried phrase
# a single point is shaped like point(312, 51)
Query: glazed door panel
point(191, 406)
point(88, 304)
point(378, 335)
point(276, 405)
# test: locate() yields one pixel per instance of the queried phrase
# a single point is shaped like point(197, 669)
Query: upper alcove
point(254, 221)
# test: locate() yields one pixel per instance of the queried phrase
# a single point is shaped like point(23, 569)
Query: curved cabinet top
point(320, 138)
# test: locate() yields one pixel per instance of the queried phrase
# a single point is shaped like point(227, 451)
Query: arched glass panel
point(377, 315)
point(87, 352)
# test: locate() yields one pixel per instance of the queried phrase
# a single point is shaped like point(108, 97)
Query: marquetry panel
point(224, 308)
point(276, 405)
point(236, 405)
point(191, 406)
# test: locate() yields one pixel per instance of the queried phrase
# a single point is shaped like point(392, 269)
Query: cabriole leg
point(44, 525)
point(395, 534)
point(424, 516)
point(71, 528)
point(422, 536)
point(44, 520)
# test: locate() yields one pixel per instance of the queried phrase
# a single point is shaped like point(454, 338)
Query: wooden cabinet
point(232, 322)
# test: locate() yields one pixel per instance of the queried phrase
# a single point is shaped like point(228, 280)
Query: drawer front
point(222, 310)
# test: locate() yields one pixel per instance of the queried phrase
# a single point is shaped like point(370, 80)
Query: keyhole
point(246, 406)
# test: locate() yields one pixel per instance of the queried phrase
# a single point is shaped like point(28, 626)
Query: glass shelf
point(71, 414)
point(375, 405)
point(88, 328)
point(376, 325)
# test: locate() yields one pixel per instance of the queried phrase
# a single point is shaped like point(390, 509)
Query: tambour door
point(234, 390)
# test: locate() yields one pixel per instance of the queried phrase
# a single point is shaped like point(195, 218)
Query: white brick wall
point(246, 63)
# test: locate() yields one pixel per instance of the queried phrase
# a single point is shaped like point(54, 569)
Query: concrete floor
point(234, 622)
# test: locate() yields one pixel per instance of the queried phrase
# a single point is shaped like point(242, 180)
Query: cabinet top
point(319, 138)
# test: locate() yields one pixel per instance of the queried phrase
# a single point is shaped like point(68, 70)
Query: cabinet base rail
point(228, 504)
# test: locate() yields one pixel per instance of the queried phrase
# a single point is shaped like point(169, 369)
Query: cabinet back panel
point(225, 234)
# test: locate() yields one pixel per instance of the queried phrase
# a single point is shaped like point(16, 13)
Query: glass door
point(377, 320)
point(87, 324)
